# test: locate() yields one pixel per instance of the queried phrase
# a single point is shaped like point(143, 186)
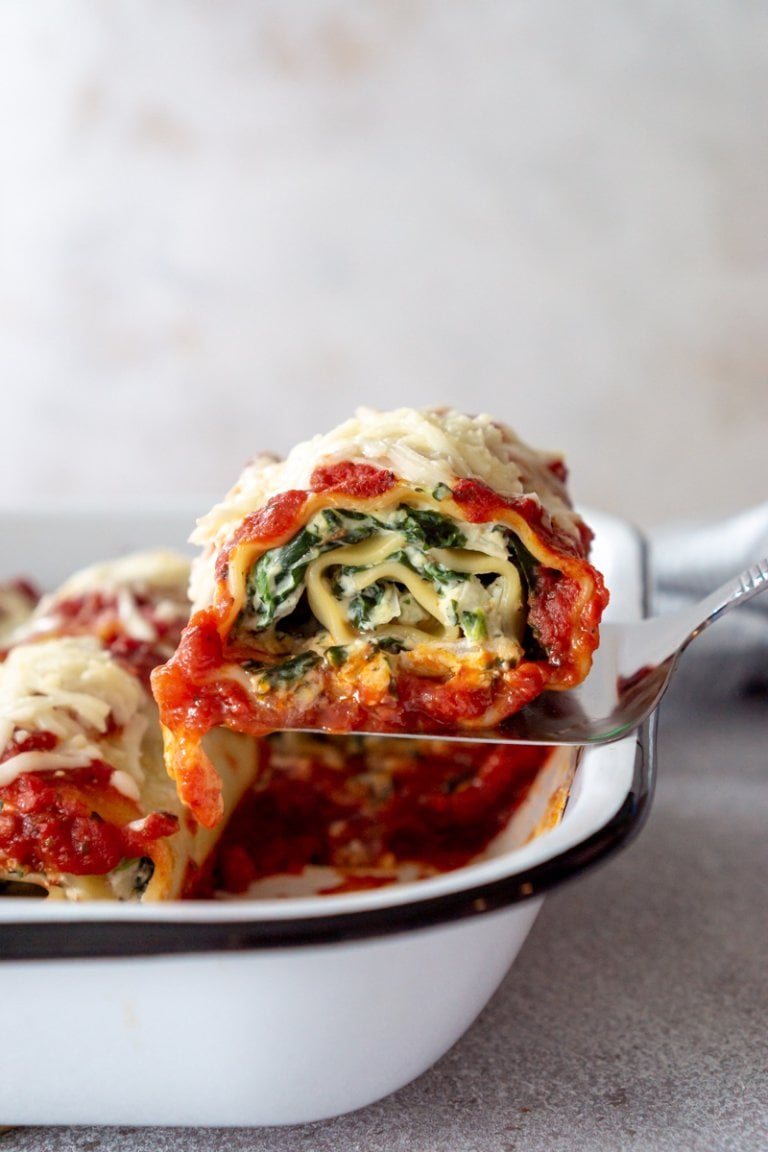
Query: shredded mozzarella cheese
point(159, 575)
point(425, 448)
point(73, 688)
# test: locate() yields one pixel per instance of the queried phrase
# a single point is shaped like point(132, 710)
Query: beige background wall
point(224, 225)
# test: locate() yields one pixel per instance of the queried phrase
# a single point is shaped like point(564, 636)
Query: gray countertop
point(636, 1016)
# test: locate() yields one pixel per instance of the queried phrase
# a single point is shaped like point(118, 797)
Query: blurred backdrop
point(223, 226)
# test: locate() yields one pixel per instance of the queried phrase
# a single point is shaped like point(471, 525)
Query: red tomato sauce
point(351, 479)
point(280, 516)
point(98, 614)
point(72, 821)
point(439, 806)
point(267, 526)
point(193, 703)
point(480, 503)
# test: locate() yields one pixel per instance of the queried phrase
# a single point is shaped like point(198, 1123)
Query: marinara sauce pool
point(365, 806)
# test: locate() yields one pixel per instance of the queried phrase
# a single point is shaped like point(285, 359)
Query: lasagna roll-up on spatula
point(87, 809)
point(411, 571)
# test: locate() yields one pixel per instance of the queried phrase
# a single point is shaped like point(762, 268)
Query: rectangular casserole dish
point(277, 1011)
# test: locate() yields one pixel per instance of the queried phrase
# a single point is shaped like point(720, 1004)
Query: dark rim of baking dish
point(97, 939)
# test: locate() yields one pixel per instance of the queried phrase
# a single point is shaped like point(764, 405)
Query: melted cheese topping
point(71, 687)
point(425, 448)
point(157, 571)
point(159, 576)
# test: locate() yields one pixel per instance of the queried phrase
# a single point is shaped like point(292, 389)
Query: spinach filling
point(468, 600)
point(130, 879)
point(277, 579)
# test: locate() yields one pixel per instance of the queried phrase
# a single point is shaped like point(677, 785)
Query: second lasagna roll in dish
point(87, 809)
point(409, 571)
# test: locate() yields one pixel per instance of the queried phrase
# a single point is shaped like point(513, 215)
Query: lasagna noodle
point(88, 810)
point(407, 572)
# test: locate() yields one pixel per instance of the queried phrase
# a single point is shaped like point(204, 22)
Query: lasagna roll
point(411, 571)
point(87, 809)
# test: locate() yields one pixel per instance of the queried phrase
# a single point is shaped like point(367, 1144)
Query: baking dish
point(282, 1010)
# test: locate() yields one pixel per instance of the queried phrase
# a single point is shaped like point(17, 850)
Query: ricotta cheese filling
point(402, 577)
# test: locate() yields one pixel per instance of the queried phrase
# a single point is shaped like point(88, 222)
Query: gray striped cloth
point(690, 560)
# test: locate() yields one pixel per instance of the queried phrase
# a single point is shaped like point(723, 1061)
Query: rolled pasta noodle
point(411, 571)
point(87, 809)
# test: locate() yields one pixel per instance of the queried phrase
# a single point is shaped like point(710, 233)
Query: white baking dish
point(277, 1011)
